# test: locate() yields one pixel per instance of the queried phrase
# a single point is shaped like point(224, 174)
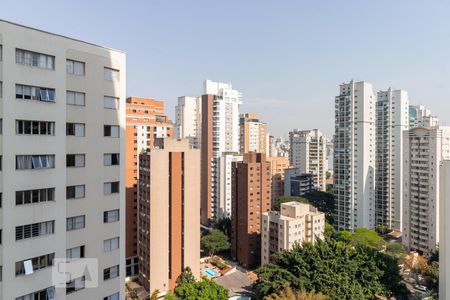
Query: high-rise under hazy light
point(354, 156)
point(63, 141)
point(188, 120)
point(308, 153)
point(444, 219)
point(220, 134)
point(391, 121)
point(424, 151)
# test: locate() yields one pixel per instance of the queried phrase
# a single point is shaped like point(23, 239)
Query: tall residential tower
point(188, 120)
point(354, 156)
point(62, 142)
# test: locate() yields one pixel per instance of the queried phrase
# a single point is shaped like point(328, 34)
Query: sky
point(286, 57)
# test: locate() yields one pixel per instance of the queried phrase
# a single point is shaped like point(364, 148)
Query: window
point(75, 285)
point(75, 160)
point(28, 266)
point(111, 130)
point(75, 129)
point(34, 230)
point(1, 89)
point(1, 52)
point(28, 92)
point(111, 244)
point(75, 67)
point(35, 196)
point(75, 191)
point(39, 295)
point(111, 216)
point(26, 162)
point(111, 159)
point(75, 253)
point(35, 59)
point(114, 296)
point(110, 273)
point(75, 98)
point(35, 127)
point(111, 102)
point(111, 187)
point(74, 223)
point(111, 74)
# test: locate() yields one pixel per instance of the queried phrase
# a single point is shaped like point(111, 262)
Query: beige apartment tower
point(62, 143)
point(294, 224)
point(253, 133)
point(424, 151)
point(278, 164)
point(169, 214)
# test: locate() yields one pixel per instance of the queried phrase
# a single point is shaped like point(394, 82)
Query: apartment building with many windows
point(424, 151)
point(169, 214)
point(354, 156)
point(294, 224)
point(391, 122)
point(220, 134)
point(254, 136)
point(308, 152)
point(58, 132)
point(146, 125)
point(188, 120)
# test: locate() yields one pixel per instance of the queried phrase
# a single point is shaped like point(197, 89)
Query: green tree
point(276, 205)
point(215, 241)
point(201, 290)
point(396, 250)
point(185, 277)
point(170, 296)
point(330, 231)
point(432, 274)
point(367, 237)
point(332, 267)
point(224, 225)
point(289, 294)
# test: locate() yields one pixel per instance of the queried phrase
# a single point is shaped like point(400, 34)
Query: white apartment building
point(329, 156)
point(354, 156)
point(221, 134)
point(444, 245)
point(188, 119)
point(62, 114)
point(419, 116)
point(225, 187)
point(308, 152)
point(424, 151)
point(391, 122)
point(294, 224)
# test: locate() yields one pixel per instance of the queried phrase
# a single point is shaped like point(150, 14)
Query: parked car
point(420, 287)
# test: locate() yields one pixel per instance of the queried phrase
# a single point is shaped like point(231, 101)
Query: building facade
point(146, 125)
point(169, 214)
point(301, 185)
point(308, 152)
point(419, 116)
point(188, 120)
point(63, 124)
point(253, 133)
point(391, 122)
point(354, 156)
point(220, 134)
point(278, 164)
point(251, 198)
point(444, 232)
point(225, 178)
point(424, 151)
point(294, 224)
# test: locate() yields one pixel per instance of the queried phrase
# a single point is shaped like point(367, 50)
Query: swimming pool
point(210, 272)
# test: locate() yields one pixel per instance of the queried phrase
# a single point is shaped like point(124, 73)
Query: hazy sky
point(286, 57)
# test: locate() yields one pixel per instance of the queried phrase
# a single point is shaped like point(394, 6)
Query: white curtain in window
point(115, 131)
point(79, 160)
point(79, 99)
point(78, 68)
point(107, 159)
point(110, 102)
point(70, 97)
point(79, 129)
point(79, 191)
point(69, 66)
point(42, 61)
point(107, 188)
point(24, 162)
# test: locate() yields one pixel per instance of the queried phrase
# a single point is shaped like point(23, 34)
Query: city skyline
point(283, 59)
